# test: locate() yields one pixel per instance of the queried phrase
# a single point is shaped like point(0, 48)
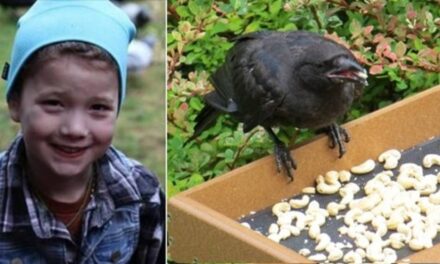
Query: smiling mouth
point(68, 151)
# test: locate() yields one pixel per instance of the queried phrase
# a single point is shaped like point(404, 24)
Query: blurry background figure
point(140, 53)
point(140, 50)
point(138, 14)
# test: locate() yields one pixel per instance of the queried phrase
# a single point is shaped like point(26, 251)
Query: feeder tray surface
point(261, 220)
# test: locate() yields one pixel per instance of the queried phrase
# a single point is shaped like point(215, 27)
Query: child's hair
point(101, 59)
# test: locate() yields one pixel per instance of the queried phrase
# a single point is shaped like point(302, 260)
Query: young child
point(66, 195)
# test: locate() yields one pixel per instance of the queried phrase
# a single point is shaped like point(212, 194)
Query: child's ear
point(14, 109)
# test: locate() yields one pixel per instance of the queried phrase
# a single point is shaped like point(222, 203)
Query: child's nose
point(74, 125)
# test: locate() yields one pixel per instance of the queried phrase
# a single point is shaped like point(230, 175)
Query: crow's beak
point(348, 70)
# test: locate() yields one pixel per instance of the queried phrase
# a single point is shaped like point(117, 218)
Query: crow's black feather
point(285, 78)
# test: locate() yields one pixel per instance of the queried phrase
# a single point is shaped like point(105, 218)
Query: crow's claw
point(282, 155)
point(338, 135)
point(284, 159)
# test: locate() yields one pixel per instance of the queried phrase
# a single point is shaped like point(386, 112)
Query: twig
point(316, 16)
point(241, 148)
point(218, 10)
point(171, 120)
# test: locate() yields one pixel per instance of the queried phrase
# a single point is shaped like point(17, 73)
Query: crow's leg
point(282, 154)
point(338, 135)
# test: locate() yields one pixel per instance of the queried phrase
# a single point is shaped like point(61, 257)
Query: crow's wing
point(259, 64)
point(222, 98)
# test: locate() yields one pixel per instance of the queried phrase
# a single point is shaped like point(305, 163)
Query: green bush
point(398, 41)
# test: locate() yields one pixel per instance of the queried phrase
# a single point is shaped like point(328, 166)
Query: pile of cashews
point(404, 208)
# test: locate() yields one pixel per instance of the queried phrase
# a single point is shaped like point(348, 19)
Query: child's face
point(67, 111)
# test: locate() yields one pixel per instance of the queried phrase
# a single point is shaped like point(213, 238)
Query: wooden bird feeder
point(203, 222)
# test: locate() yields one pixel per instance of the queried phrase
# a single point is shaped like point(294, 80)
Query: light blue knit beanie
point(98, 22)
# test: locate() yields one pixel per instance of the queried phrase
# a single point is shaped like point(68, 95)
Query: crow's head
point(345, 69)
point(327, 64)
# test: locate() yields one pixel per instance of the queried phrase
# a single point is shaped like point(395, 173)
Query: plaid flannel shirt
point(123, 223)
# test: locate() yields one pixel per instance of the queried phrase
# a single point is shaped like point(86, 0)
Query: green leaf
point(182, 11)
point(217, 28)
point(400, 49)
point(418, 44)
point(194, 8)
point(171, 189)
point(275, 7)
point(355, 28)
point(252, 27)
point(229, 155)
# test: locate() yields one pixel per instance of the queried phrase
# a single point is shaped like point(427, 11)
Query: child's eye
point(52, 102)
point(51, 105)
point(101, 107)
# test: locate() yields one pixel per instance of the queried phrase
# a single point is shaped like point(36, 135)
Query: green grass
point(140, 132)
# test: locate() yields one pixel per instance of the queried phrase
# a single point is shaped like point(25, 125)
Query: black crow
point(285, 78)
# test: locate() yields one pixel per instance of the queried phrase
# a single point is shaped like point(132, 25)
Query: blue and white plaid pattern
point(123, 223)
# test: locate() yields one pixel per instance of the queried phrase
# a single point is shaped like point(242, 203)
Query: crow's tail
point(204, 120)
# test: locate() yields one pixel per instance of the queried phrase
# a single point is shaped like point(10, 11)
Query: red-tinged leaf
point(376, 69)
point(411, 14)
point(368, 29)
point(337, 39)
point(411, 36)
point(400, 49)
point(360, 57)
point(382, 47)
point(378, 38)
point(184, 106)
point(428, 54)
point(390, 55)
point(392, 23)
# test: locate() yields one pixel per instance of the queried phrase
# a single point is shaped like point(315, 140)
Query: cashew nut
point(294, 231)
point(299, 203)
point(246, 225)
point(335, 254)
point(435, 198)
point(309, 190)
point(397, 240)
point(284, 232)
point(324, 188)
point(304, 252)
point(363, 168)
point(323, 241)
point(317, 257)
point(391, 158)
point(431, 159)
point(314, 231)
point(352, 257)
point(273, 229)
point(333, 208)
point(344, 176)
point(331, 177)
point(280, 208)
point(416, 244)
point(274, 237)
point(361, 241)
point(285, 218)
point(374, 252)
point(390, 255)
point(411, 169)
